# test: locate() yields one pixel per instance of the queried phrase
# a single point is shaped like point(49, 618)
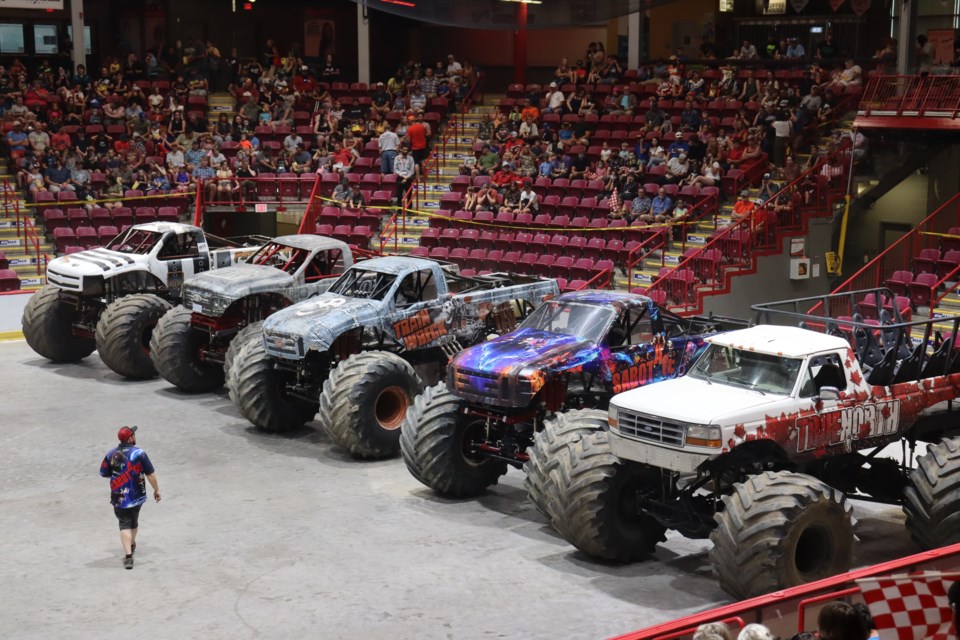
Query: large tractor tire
point(124, 332)
point(434, 440)
point(365, 400)
point(247, 334)
point(558, 435)
point(933, 497)
point(175, 350)
point(594, 504)
point(778, 530)
point(259, 392)
point(48, 327)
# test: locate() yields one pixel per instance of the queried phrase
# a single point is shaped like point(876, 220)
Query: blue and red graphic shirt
point(127, 467)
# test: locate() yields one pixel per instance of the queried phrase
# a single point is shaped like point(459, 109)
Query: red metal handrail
point(760, 223)
point(32, 238)
point(774, 609)
point(308, 223)
point(639, 253)
point(911, 96)
point(899, 255)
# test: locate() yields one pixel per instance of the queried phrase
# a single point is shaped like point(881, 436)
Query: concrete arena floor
point(264, 536)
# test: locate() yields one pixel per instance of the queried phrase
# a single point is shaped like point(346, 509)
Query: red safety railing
point(31, 241)
point(790, 611)
point(743, 241)
point(640, 253)
point(308, 223)
point(900, 255)
point(930, 95)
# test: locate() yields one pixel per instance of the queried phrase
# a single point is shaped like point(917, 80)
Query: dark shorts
point(129, 518)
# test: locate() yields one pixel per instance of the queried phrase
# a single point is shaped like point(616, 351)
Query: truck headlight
point(703, 436)
point(612, 418)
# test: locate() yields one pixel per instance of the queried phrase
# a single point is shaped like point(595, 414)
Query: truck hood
point(94, 262)
point(525, 351)
point(211, 292)
point(316, 323)
point(510, 370)
point(715, 404)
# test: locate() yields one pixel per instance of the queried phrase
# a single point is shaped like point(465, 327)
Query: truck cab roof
point(164, 227)
point(776, 340)
point(309, 242)
point(398, 265)
point(600, 297)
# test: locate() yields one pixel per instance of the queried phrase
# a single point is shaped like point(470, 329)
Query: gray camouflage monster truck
point(361, 352)
point(110, 299)
point(195, 342)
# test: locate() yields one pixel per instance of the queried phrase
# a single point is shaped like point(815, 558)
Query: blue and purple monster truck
point(573, 353)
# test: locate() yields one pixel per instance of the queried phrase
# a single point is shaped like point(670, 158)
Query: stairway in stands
point(443, 166)
point(22, 258)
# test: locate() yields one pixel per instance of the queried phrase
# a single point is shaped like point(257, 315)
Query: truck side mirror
point(829, 393)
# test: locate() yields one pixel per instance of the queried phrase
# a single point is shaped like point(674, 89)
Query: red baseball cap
point(125, 433)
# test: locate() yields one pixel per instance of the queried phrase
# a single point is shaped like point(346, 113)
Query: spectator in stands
point(387, 143)
point(454, 68)
point(795, 50)
point(470, 199)
point(57, 177)
point(528, 130)
point(381, 100)
point(405, 168)
point(341, 191)
point(864, 612)
point(511, 199)
point(860, 145)
point(768, 188)
point(710, 176)
point(886, 57)
point(17, 140)
point(418, 133)
point(755, 632)
point(355, 199)
point(826, 48)
point(554, 99)
point(38, 138)
point(840, 621)
point(429, 83)
point(247, 174)
point(713, 631)
point(924, 51)
point(748, 51)
point(529, 200)
point(661, 205)
point(579, 103)
point(744, 207)
point(655, 119)
point(418, 100)
point(487, 197)
point(677, 169)
point(851, 75)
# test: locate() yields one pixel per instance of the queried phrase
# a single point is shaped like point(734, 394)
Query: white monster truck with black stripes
point(111, 298)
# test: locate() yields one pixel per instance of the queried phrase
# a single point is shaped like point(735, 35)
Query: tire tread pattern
point(348, 388)
point(749, 554)
point(932, 504)
point(47, 328)
point(119, 334)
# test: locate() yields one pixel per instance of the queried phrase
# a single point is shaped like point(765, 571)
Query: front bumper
point(681, 461)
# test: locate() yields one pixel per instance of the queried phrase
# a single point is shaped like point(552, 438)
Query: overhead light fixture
point(524, 1)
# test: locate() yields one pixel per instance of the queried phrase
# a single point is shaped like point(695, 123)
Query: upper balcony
point(910, 102)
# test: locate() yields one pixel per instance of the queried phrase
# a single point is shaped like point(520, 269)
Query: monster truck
point(109, 299)
point(193, 341)
point(762, 444)
point(361, 351)
point(572, 353)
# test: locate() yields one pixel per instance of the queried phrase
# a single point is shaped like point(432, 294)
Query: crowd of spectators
point(548, 132)
point(143, 123)
point(836, 621)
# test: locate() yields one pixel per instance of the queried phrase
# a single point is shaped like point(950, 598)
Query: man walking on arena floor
point(127, 465)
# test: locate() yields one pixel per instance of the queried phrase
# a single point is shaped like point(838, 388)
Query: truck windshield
point(749, 369)
point(573, 319)
point(279, 256)
point(136, 241)
point(361, 283)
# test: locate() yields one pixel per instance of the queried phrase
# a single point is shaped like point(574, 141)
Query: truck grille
point(644, 427)
point(491, 387)
point(70, 283)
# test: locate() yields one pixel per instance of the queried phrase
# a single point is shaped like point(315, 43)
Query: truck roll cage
point(890, 349)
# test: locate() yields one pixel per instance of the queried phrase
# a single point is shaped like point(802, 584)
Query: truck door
point(824, 382)
point(419, 315)
point(180, 256)
point(640, 353)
